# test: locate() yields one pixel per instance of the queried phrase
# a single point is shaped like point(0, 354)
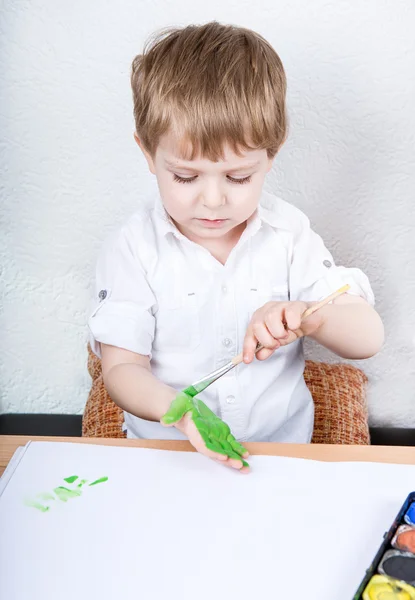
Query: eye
point(184, 179)
point(242, 180)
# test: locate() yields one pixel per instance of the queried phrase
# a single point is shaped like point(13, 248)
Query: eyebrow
point(245, 167)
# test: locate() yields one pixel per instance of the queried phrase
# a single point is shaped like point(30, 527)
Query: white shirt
point(159, 294)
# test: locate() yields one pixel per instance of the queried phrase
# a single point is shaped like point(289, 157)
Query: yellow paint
point(381, 587)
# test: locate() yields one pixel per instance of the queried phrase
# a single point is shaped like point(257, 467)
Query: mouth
point(212, 222)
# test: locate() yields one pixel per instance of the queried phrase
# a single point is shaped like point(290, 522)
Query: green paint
point(101, 480)
point(71, 479)
point(215, 433)
point(37, 505)
point(65, 494)
point(62, 493)
point(46, 496)
point(190, 391)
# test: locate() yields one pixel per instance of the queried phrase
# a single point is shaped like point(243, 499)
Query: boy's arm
point(350, 328)
point(130, 383)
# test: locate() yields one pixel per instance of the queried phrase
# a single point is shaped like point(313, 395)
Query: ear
point(147, 155)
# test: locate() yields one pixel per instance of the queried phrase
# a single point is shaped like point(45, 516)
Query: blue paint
point(410, 515)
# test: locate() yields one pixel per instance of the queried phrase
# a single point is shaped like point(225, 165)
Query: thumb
point(178, 408)
point(266, 352)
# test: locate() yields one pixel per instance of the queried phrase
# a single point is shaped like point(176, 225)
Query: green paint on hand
point(82, 482)
point(215, 433)
point(65, 494)
point(101, 480)
point(71, 479)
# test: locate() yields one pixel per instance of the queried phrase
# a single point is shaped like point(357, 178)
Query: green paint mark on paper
point(101, 480)
point(46, 496)
point(62, 493)
point(65, 494)
point(71, 479)
point(37, 505)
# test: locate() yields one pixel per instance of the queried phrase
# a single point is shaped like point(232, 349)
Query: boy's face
point(207, 200)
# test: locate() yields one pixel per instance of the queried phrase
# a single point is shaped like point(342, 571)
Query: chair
point(338, 390)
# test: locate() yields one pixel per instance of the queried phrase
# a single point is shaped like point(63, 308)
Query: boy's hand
point(277, 324)
point(208, 434)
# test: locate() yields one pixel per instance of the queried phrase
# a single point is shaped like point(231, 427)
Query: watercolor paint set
point(391, 576)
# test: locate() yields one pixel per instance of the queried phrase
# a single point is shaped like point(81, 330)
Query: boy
point(214, 263)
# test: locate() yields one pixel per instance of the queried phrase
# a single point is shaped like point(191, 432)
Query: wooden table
point(385, 454)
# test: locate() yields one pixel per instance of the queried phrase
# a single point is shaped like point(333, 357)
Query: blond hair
point(210, 85)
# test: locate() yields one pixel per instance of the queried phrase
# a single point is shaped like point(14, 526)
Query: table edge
point(321, 452)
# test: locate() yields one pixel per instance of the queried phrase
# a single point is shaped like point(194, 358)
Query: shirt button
point(227, 342)
point(224, 289)
point(327, 263)
point(102, 295)
point(230, 399)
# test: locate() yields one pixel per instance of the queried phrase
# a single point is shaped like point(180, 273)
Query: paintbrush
point(202, 384)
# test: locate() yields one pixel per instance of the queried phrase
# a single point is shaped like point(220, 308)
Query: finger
point(266, 352)
point(235, 462)
point(222, 458)
point(171, 418)
point(214, 450)
point(178, 408)
point(226, 447)
point(292, 337)
point(237, 447)
point(274, 325)
point(263, 335)
point(235, 459)
point(249, 346)
point(241, 468)
point(243, 463)
point(233, 450)
point(211, 444)
point(203, 441)
point(292, 315)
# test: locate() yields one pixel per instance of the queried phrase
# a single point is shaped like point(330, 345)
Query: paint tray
point(375, 578)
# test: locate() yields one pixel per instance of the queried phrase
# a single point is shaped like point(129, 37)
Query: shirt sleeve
point(314, 274)
point(122, 306)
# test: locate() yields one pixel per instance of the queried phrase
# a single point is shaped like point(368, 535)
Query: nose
point(213, 197)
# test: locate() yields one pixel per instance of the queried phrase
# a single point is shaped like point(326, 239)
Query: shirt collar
point(271, 211)
point(164, 220)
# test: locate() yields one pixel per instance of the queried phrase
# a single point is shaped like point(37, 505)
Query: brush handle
point(239, 358)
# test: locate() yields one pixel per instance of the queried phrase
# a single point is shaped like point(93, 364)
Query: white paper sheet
point(170, 525)
point(11, 467)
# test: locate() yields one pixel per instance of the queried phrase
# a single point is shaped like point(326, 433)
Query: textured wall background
point(71, 171)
